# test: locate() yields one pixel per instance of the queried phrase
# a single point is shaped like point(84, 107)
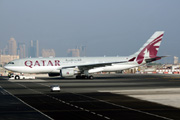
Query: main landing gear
point(84, 77)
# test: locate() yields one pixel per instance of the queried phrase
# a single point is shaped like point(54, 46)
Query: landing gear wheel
point(91, 77)
point(17, 77)
point(85, 77)
point(78, 77)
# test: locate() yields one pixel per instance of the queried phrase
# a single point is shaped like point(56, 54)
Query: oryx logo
point(150, 50)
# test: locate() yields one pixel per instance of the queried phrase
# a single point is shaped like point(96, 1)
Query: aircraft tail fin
point(150, 49)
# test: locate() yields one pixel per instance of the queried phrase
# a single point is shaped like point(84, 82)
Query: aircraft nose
point(6, 66)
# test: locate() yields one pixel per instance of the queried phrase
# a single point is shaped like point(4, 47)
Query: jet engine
point(69, 72)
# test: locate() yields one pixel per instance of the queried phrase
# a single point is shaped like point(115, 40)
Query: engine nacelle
point(69, 72)
point(53, 74)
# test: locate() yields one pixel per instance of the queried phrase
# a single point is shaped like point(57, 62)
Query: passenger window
point(11, 63)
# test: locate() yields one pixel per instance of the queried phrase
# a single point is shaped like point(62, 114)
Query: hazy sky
point(105, 27)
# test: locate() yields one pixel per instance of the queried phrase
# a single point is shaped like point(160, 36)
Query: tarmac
point(106, 97)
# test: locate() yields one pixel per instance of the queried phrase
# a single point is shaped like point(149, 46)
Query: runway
point(107, 97)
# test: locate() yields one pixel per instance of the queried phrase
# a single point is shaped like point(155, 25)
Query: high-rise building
point(12, 46)
point(73, 53)
point(82, 50)
point(21, 50)
point(33, 48)
point(175, 60)
point(5, 50)
point(48, 53)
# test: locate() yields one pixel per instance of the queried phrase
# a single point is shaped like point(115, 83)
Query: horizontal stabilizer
point(154, 59)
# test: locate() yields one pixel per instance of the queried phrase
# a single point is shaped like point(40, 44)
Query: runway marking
point(27, 104)
point(36, 80)
point(3, 91)
point(132, 109)
point(67, 103)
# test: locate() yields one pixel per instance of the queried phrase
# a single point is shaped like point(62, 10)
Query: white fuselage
point(53, 65)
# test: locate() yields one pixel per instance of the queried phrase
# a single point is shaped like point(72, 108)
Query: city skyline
point(21, 49)
point(14, 47)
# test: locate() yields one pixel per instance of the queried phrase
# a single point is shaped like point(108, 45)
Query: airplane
point(84, 67)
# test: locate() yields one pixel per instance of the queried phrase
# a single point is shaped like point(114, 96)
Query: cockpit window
point(11, 63)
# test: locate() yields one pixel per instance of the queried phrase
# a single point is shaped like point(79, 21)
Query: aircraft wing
point(89, 66)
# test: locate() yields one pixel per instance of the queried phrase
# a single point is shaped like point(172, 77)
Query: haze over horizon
point(111, 28)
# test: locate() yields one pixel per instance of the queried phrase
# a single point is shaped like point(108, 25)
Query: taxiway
point(107, 97)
